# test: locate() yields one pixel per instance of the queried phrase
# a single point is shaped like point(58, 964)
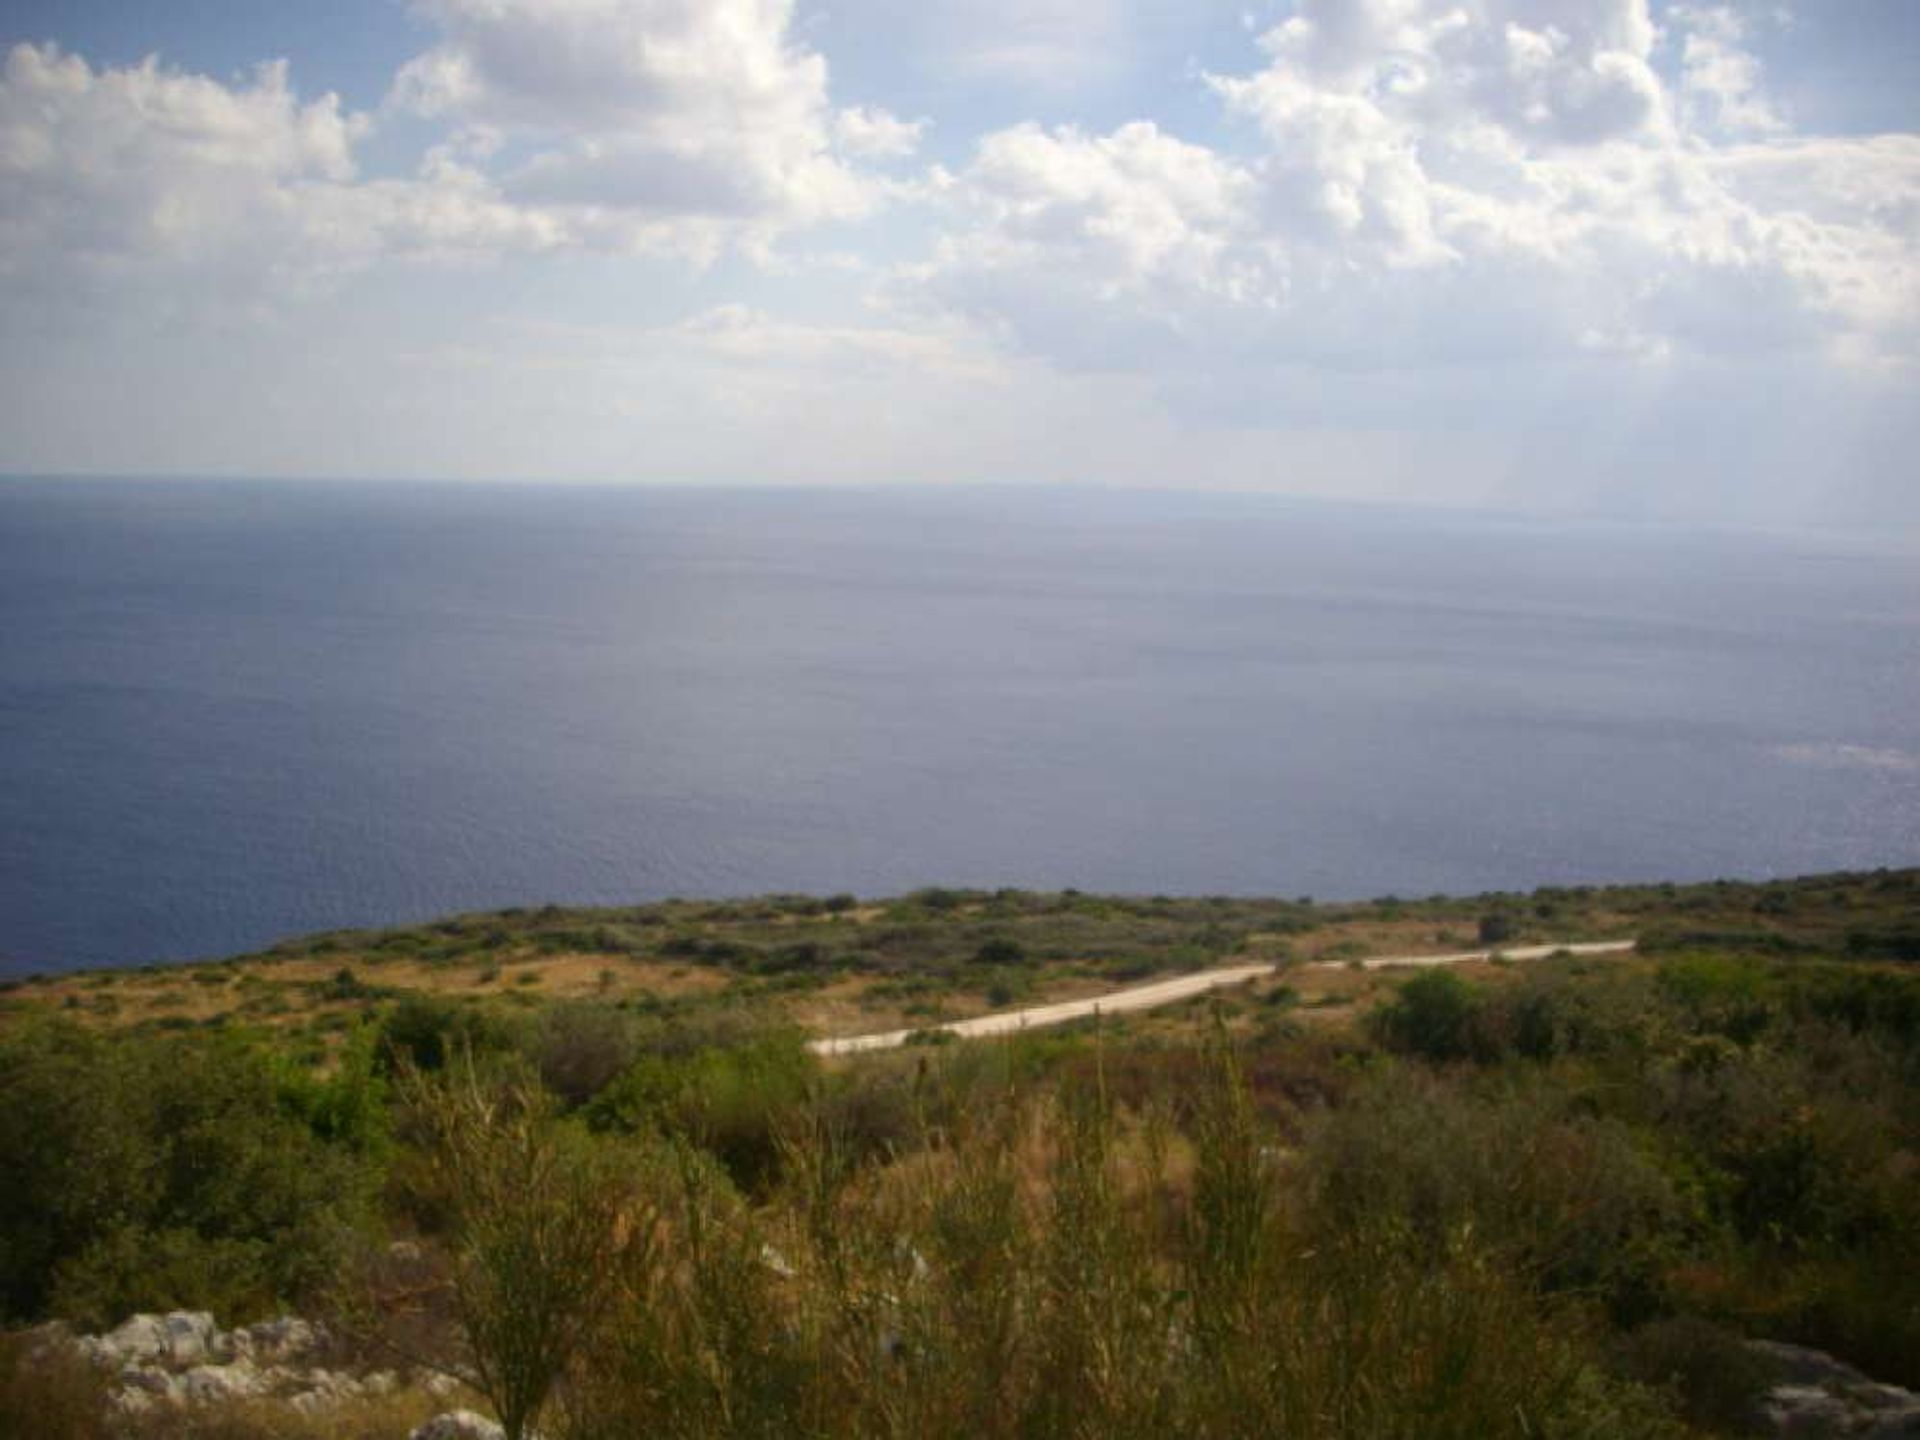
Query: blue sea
point(232, 712)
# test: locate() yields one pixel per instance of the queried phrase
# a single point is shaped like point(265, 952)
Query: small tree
point(1436, 1015)
point(544, 1232)
point(999, 950)
point(1496, 928)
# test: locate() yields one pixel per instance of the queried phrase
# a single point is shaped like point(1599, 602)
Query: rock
point(458, 1425)
point(332, 1384)
point(189, 1335)
point(1817, 1395)
point(1804, 1410)
point(231, 1345)
point(773, 1260)
point(212, 1384)
point(286, 1337)
point(138, 1338)
point(149, 1380)
point(1882, 1397)
point(440, 1386)
point(1797, 1365)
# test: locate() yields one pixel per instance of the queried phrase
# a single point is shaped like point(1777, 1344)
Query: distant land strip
point(1182, 987)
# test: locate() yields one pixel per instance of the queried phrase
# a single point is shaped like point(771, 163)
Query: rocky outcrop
point(1815, 1395)
point(185, 1359)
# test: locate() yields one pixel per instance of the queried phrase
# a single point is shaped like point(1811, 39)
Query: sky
point(1599, 257)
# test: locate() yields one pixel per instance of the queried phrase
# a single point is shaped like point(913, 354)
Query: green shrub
point(425, 1033)
point(1867, 1002)
point(161, 1170)
point(546, 1227)
point(1717, 1378)
point(346, 986)
point(347, 1105)
point(1900, 941)
point(1000, 950)
point(736, 1100)
point(580, 1048)
point(1437, 1016)
point(1570, 1200)
point(1720, 994)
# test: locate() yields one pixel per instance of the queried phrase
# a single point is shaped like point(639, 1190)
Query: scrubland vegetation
point(1515, 1200)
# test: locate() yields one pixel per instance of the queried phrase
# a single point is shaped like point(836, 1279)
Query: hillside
point(584, 1163)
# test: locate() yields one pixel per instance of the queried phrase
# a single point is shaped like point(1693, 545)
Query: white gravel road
point(1180, 987)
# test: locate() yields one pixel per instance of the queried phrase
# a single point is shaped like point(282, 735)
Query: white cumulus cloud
point(634, 110)
point(107, 167)
point(1438, 181)
point(862, 130)
point(677, 126)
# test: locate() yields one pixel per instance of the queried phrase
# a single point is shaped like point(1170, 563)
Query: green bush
point(161, 1171)
point(737, 1100)
point(1716, 1377)
point(1437, 1016)
point(580, 1048)
point(545, 1227)
point(426, 1034)
point(1571, 1200)
point(346, 1105)
point(999, 950)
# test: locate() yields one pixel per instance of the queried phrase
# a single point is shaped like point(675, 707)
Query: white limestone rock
point(285, 1338)
point(458, 1425)
point(137, 1339)
point(214, 1384)
point(1816, 1395)
point(189, 1335)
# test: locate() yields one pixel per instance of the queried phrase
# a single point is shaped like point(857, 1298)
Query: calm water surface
point(232, 712)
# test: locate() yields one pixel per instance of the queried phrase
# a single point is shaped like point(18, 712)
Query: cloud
point(1447, 181)
point(104, 168)
point(1720, 87)
point(1556, 71)
point(863, 131)
point(232, 193)
point(1492, 249)
point(644, 109)
point(664, 126)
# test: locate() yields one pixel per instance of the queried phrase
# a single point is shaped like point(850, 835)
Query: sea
point(237, 711)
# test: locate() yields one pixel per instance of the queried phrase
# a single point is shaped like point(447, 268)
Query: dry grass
point(278, 994)
point(909, 962)
point(384, 1418)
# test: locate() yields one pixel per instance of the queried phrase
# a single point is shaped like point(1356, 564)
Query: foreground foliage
point(1546, 1202)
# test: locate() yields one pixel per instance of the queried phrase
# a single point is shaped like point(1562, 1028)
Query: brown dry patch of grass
point(381, 1418)
point(1354, 939)
point(285, 991)
point(279, 993)
point(846, 1006)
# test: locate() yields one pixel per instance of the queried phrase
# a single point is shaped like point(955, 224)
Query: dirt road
point(1165, 992)
point(1518, 952)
